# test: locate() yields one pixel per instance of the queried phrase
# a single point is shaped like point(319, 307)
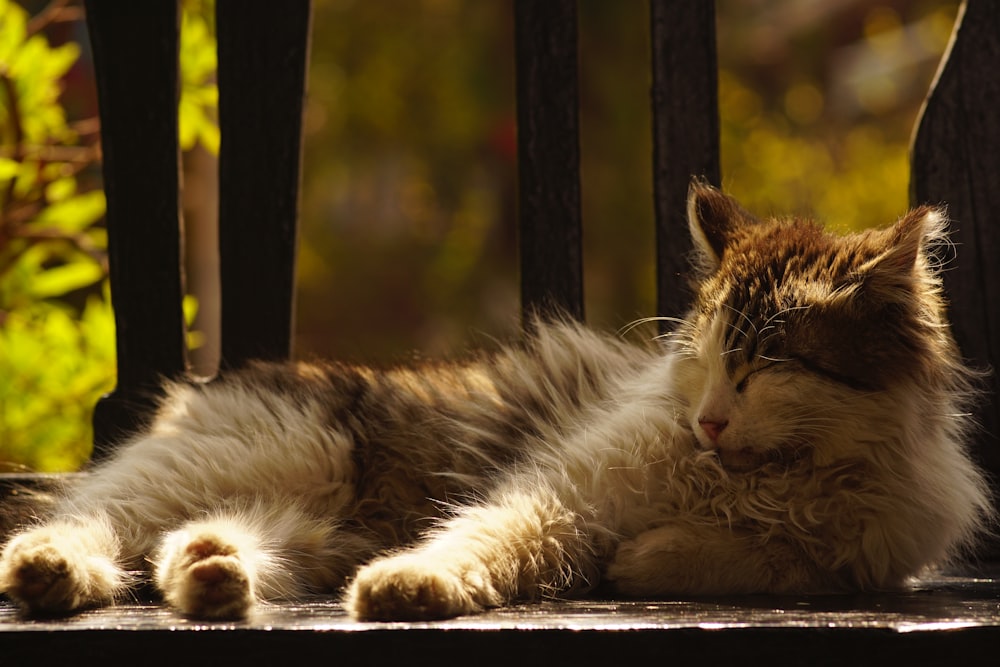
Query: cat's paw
point(698, 560)
point(657, 561)
point(203, 575)
point(409, 587)
point(58, 569)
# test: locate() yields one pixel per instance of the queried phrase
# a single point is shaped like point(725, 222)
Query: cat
point(801, 430)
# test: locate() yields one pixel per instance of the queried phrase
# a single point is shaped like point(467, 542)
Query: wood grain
point(135, 61)
point(956, 162)
point(685, 133)
point(548, 161)
point(263, 57)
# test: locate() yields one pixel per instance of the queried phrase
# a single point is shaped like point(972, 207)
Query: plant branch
point(36, 236)
point(79, 241)
point(17, 138)
point(56, 11)
point(75, 155)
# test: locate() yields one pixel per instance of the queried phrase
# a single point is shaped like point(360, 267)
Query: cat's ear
point(713, 218)
point(912, 237)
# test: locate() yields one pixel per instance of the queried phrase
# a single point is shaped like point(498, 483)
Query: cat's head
point(798, 336)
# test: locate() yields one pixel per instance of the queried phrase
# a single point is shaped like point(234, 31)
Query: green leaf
point(54, 359)
point(76, 213)
point(98, 237)
point(62, 279)
point(197, 118)
point(60, 189)
point(13, 27)
point(27, 179)
point(8, 168)
point(210, 137)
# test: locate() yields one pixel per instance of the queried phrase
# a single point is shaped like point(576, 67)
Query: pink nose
point(712, 428)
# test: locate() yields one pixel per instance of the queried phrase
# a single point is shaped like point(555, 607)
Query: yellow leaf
point(60, 189)
point(8, 168)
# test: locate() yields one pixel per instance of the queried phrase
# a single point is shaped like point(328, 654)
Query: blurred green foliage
point(199, 100)
point(57, 342)
point(57, 356)
point(818, 104)
point(409, 172)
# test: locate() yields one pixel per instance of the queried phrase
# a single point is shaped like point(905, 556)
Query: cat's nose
point(712, 428)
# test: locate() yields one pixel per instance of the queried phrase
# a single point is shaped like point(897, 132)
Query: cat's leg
point(63, 566)
point(706, 560)
point(221, 566)
point(523, 544)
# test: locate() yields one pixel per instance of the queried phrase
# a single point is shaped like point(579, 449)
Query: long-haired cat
point(801, 430)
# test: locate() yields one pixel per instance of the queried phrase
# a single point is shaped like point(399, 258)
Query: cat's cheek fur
point(767, 415)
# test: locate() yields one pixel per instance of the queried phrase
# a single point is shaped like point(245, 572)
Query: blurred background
point(408, 241)
point(408, 193)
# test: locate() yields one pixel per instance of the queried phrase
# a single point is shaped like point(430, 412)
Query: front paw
point(657, 561)
point(705, 560)
point(202, 575)
point(59, 569)
point(409, 587)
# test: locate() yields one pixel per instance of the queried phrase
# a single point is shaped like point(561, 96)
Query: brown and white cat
point(801, 430)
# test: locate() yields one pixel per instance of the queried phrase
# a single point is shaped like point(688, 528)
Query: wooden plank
point(548, 144)
point(946, 621)
point(685, 133)
point(262, 76)
point(956, 161)
point(135, 60)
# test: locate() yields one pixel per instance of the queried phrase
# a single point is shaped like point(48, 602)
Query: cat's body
point(801, 431)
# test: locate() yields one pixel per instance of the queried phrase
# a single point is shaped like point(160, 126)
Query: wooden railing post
point(262, 73)
point(685, 133)
point(548, 145)
point(955, 161)
point(135, 59)
point(263, 54)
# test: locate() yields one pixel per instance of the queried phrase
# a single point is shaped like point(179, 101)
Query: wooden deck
point(947, 620)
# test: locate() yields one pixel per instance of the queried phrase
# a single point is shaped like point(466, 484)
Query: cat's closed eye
point(827, 371)
point(747, 375)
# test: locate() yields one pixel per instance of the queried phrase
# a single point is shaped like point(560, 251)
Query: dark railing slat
point(548, 144)
point(955, 161)
point(685, 132)
point(262, 74)
point(135, 59)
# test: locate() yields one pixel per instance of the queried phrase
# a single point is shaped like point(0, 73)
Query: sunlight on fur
point(802, 430)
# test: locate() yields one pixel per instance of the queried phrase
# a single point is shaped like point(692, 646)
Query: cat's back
point(420, 434)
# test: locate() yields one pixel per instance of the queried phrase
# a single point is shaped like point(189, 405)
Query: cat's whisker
point(774, 360)
point(782, 312)
point(628, 328)
point(665, 335)
point(741, 314)
point(744, 316)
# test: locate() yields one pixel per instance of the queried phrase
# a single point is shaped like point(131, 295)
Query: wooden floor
point(948, 620)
